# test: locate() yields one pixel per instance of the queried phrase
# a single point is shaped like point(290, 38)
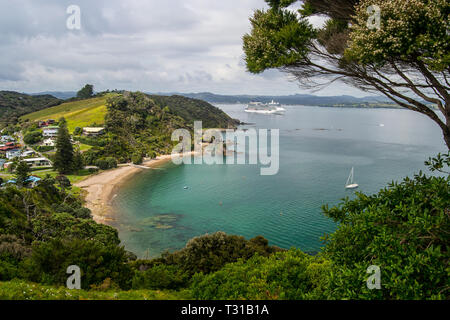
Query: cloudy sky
point(147, 45)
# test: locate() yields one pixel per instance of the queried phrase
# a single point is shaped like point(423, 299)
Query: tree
point(406, 59)
point(64, 150)
point(22, 174)
point(86, 92)
point(136, 158)
point(78, 162)
point(33, 137)
point(78, 131)
point(63, 182)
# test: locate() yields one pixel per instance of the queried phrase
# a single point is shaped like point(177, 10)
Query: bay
point(318, 147)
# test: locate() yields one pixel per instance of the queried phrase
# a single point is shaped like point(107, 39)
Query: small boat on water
point(265, 108)
point(350, 183)
point(186, 187)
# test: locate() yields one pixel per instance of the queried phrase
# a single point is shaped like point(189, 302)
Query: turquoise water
point(318, 147)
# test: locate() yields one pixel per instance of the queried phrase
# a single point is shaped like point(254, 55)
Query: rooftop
point(93, 130)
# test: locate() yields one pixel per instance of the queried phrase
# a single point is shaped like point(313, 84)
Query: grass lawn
point(74, 178)
point(78, 113)
point(84, 147)
point(21, 290)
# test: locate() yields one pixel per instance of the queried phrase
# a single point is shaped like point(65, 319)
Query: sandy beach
point(101, 188)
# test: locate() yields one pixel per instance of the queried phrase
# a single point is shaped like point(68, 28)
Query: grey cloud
point(164, 46)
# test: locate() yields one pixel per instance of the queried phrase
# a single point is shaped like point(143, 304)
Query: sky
point(146, 45)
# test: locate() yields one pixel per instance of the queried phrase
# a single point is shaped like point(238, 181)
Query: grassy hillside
point(14, 104)
point(81, 113)
point(22, 290)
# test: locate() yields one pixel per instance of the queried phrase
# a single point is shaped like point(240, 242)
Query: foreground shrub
point(160, 277)
point(49, 261)
point(405, 230)
point(284, 275)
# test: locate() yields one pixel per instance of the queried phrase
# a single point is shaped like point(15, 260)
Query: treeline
point(14, 105)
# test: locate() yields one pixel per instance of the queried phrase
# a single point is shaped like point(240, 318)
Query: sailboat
point(350, 183)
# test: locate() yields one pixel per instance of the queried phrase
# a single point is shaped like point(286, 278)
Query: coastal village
point(13, 149)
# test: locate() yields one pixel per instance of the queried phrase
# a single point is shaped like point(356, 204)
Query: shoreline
point(101, 188)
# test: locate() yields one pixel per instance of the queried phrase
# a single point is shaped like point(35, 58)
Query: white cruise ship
point(265, 108)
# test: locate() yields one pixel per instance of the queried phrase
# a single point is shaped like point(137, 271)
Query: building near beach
point(38, 162)
point(92, 132)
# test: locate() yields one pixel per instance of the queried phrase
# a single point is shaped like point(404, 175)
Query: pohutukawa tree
point(406, 58)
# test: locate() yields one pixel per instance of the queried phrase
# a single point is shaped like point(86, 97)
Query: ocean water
point(318, 148)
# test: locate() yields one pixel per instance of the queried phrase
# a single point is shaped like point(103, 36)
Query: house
point(14, 153)
point(28, 153)
point(48, 143)
point(33, 180)
point(2, 163)
point(5, 139)
point(46, 123)
point(92, 132)
point(9, 146)
point(50, 132)
point(37, 162)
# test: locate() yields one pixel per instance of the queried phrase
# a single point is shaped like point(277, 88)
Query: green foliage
point(21, 290)
point(143, 124)
point(404, 230)
point(161, 276)
point(78, 131)
point(137, 158)
point(211, 252)
point(12, 251)
point(106, 163)
point(67, 225)
point(86, 92)
point(43, 148)
point(278, 38)
point(412, 30)
point(32, 137)
point(14, 104)
point(63, 161)
point(49, 261)
point(22, 173)
point(284, 275)
point(78, 161)
point(439, 162)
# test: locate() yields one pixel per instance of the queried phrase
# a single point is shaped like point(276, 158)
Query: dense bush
point(12, 251)
point(404, 229)
point(65, 226)
point(49, 261)
point(137, 158)
point(211, 252)
point(44, 148)
point(161, 277)
point(33, 137)
point(284, 275)
point(106, 163)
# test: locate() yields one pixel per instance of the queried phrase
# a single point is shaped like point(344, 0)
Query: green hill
point(81, 113)
point(14, 104)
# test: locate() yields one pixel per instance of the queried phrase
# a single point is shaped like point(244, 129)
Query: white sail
point(350, 183)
